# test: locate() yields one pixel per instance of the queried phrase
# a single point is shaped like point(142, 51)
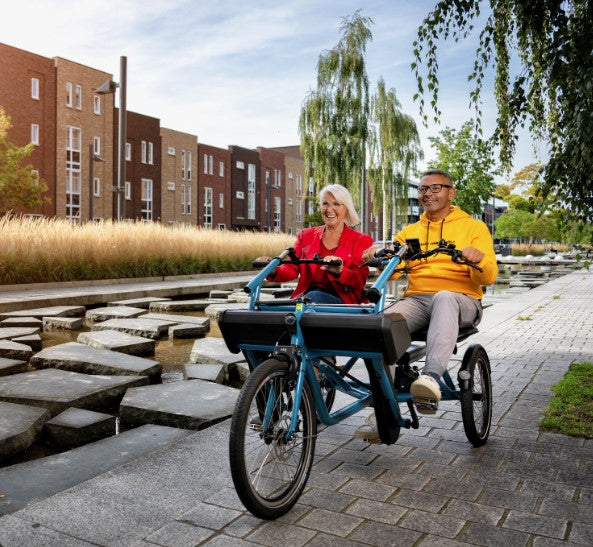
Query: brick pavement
point(524, 487)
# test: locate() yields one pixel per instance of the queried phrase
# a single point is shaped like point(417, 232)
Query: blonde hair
point(343, 196)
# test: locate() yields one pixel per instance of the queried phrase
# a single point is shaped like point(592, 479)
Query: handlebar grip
point(373, 263)
point(259, 264)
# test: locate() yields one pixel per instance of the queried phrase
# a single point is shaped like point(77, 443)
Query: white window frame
point(221, 168)
point(69, 94)
point(128, 190)
point(240, 195)
point(97, 187)
point(150, 153)
point(128, 151)
point(251, 191)
point(171, 150)
point(35, 88)
point(210, 164)
point(78, 96)
point(221, 200)
point(221, 226)
point(171, 185)
point(73, 171)
point(182, 164)
point(188, 164)
point(143, 153)
point(205, 164)
point(35, 134)
point(188, 195)
point(240, 165)
point(277, 214)
point(97, 104)
point(97, 146)
point(146, 200)
point(207, 207)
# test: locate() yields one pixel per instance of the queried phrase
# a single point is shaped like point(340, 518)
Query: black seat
point(464, 332)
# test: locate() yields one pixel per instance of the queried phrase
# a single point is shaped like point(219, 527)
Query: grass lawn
point(571, 410)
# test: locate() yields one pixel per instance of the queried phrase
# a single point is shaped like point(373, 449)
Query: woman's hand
point(370, 252)
point(335, 270)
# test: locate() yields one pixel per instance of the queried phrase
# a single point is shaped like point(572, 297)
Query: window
point(78, 96)
point(210, 164)
point(97, 104)
point(35, 88)
point(73, 146)
point(251, 191)
point(35, 174)
point(240, 195)
point(69, 94)
point(128, 190)
point(146, 200)
point(208, 207)
point(222, 226)
point(277, 211)
point(277, 177)
point(150, 154)
point(182, 164)
point(290, 175)
point(205, 164)
point(97, 146)
point(289, 201)
point(171, 150)
point(188, 164)
point(97, 187)
point(240, 165)
point(143, 153)
point(128, 152)
point(171, 185)
point(221, 201)
point(186, 199)
point(35, 133)
point(221, 168)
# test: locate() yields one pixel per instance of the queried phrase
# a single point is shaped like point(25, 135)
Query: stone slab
point(205, 371)
point(50, 311)
point(214, 310)
point(186, 330)
point(15, 350)
point(143, 303)
point(112, 312)
point(20, 426)
point(77, 426)
point(33, 341)
point(244, 297)
point(8, 333)
point(184, 305)
point(218, 293)
point(58, 390)
point(21, 322)
point(85, 359)
point(32, 481)
point(12, 366)
point(204, 322)
point(68, 323)
point(118, 341)
point(213, 350)
point(139, 326)
point(193, 404)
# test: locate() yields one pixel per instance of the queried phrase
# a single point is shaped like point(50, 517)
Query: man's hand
point(263, 259)
point(471, 254)
point(370, 252)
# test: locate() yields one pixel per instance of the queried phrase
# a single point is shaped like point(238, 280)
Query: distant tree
point(511, 224)
point(552, 90)
point(20, 187)
point(394, 148)
point(470, 161)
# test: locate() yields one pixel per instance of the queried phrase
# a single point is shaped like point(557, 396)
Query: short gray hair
point(343, 196)
point(437, 172)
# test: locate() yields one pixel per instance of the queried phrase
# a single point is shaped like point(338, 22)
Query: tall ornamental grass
point(536, 249)
point(48, 250)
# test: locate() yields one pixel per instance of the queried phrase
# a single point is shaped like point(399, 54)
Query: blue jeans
point(321, 297)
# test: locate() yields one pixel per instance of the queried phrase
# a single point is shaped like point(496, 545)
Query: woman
point(341, 284)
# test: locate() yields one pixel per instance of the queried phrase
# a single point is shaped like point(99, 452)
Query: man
point(441, 294)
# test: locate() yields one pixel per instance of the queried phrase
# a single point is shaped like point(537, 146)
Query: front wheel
point(270, 467)
point(476, 396)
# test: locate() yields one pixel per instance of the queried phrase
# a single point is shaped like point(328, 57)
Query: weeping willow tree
point(394, 148)
point(333, 123)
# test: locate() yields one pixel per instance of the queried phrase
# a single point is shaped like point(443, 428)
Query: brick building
point(294, 189)
point(272, 189)
point(214, 187)
point(245, 190)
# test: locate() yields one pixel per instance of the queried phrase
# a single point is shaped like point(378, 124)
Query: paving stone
point(205, 371)
point(58, 390)
point(419, 500)
point(8, 333)
point(277, 533)
point(376, 533)
point(118, 341)
point(139, 326)
point(219, 294)
point(21, 322)
point(576, 512)
point(376, 511)
point(318, 497)
point(214, 310)
point(77, 426)
point(213, 350)
point(535, 524)
point(177, 319)
point(184, 305)
point(581, 534)
point(186, 330)
point(12, 366)
point(363, 489)
point(112, 312)
point(33, 341)
point(482, 534)
point(192, 404)
point(179, 534)
point(209, 516)
point(20, 426)
point(51, 311)
point(69, 323)
point(476, 512)
point(92, 360)
point(15, 350)
point(143, 302)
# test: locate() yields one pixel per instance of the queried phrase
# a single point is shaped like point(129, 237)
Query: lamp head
point(107, 87)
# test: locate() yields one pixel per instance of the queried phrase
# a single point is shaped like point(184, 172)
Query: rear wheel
point(476, 396)
point(268, 467)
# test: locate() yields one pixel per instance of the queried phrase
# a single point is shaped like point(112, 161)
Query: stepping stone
point(186, 330)
point(139, 326)
point(238, 372)
point(143, 303)
point(33, 341)
point(14, 332)
point(204, 322)
point(21, 322)
point(214, 310)
point(112, 312)
point(90, 360)
point(58, 390)
point(244, 297)
point(12, 366)
point(14, 350)
point(77, 426)
point(218, 293)
point(68, 323)
point(20, 425)
point(193, 404)
point(118, 341)
point(36, 480)
point(51, 311)
point(184, 305)
point(213, 350)
point(205, 371)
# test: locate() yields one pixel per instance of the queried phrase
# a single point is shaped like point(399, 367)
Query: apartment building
point(294, 190)
point(28, 96)
point(272, 185)
point(179, 176)
point(245, 190)
point(214, 187)
point(142, 195)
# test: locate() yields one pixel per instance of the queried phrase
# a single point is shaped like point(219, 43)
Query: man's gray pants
point(443, 312)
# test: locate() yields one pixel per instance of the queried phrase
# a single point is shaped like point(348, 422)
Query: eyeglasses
point(434, 188)
point(332, 204)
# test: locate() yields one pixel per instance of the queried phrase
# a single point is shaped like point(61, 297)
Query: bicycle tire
point(269, 472)
point(476, 400)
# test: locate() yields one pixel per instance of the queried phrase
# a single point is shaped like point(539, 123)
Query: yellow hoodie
point(439, 272)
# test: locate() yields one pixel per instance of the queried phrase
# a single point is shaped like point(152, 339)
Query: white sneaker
point(368, 432)
point(427, 394)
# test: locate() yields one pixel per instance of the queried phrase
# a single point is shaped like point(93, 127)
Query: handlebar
point(289, 256)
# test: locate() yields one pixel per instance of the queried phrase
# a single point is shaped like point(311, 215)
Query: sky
point(238, 71)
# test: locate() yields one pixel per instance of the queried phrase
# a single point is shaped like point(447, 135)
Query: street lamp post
point(109, 87)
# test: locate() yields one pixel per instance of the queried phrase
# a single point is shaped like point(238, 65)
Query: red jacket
point(350, 283)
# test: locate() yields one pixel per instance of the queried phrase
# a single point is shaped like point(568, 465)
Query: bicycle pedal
point(373, 441)
point(426, 404)
point(255, 424)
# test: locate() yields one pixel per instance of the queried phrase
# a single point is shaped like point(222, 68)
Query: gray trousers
point(443, 312)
